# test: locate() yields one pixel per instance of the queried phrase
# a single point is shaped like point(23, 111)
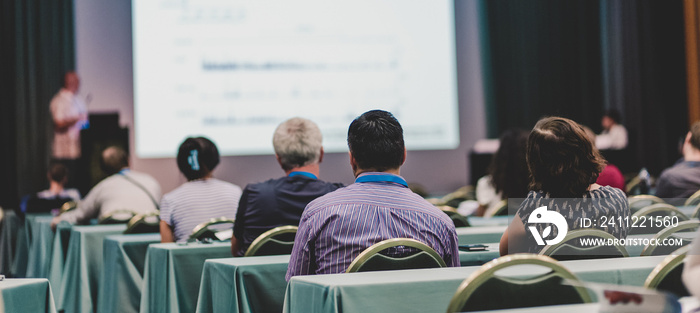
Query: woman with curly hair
point(564, 165)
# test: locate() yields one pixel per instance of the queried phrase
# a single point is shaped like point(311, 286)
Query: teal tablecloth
point(485, 234)
point(173, 274)
point(478, 221)
point(83, 267)
point(257, 284)
point(26, 295)
point(59, 252)
point(475, 258)
point(10, 227)
point(40, 238)
point(122, 277)
point(430, 290)
point(249, 284)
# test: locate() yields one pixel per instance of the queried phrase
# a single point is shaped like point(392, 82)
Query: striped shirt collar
point(372, 177)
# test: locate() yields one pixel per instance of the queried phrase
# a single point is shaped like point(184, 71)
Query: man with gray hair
point(278, 202)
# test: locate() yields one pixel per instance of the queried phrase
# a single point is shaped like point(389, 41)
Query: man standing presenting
point(69, 115)
point(337, 227)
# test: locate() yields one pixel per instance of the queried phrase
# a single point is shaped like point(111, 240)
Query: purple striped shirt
point(337, 227)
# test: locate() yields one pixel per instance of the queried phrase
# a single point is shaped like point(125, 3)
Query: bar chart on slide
point(233, 70)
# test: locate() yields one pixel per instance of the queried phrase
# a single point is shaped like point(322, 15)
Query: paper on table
point(224, 234)
point(630, 299)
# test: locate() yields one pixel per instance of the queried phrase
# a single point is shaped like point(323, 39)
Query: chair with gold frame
point(484, 290)
point(667, 275)
point(276, 241)
point(568, 249)
point(203, 230)
point(372, 260)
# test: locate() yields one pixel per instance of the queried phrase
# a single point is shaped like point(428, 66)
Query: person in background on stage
point(69, 115)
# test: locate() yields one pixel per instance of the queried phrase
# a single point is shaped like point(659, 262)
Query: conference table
point(257, 284)
point(122, 277)
point(173, 274)
point(430, 290)
point(482, 234)
point(688, 304)
point(479, 221)
point(26, 295)
point(9, 228)
point(39, 237)
point(79, 278)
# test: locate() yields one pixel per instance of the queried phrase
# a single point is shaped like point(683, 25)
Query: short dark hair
point(562, 159)
point(695, 135)
point(113, 160)
point(375, 140)
point(614, 115)
point(58, 172)
point(508, 169)
point(197, 157)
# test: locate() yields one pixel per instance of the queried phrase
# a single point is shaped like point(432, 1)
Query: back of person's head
point(614, 115)
point(375, 140)
point(562, 160)
point(197, 157)
point(58, 172)
point(113, 160)
point(695, 135)
point(297, 142)
point(508, 169)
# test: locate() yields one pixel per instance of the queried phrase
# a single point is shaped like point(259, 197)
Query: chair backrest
point(117, 217)
point(276, 241)
point(457, 219)
point(641, 201)
point(570, 248)
point(202, 231)
point(667, 275)
point(484, 290)
point(664, 212)
point(500, 209)
point(68, 206)
point(39, 205)
point(372, 260)
point(671, 233)
point(696, 212)
point(694, 199)
point(143, 224)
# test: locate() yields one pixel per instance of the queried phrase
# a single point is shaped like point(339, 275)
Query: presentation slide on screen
point(233, 70)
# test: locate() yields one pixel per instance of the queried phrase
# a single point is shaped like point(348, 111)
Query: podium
point(104, 131)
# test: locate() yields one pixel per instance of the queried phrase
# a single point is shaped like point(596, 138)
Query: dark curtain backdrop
point(577, 58)
point(37, 39)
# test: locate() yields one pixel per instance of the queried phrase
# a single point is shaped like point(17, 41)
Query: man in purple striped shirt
point(335, 228)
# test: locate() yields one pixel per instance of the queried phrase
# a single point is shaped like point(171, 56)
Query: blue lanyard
point(381, 178)
point(305, 174)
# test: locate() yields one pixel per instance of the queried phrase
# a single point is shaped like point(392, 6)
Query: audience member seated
point(610, 175)
point(691, 268)
point(335, 228)
point(614, 135)
point(122, 189)
point(278, 202)
point(202, 197)
point(508, 176)
point(564, 166)
point(683, 179)
point(55, 196)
